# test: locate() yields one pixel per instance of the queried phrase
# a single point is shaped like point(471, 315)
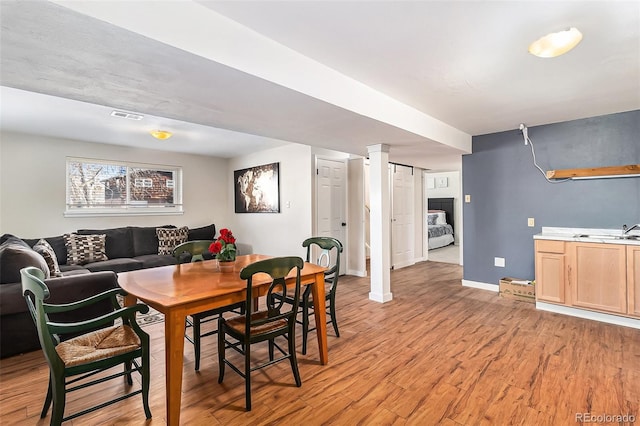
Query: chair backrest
point(329, 256)
point(195, 248)
point(35, 292)
point(277, 268)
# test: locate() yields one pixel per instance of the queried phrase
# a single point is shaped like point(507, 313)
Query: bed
point(440, 222)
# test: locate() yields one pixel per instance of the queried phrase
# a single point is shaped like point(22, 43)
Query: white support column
point(380, 199)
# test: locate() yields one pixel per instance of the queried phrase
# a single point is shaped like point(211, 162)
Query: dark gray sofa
point(127, 249)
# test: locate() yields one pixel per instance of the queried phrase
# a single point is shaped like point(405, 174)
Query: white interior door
point(330, 203)
point(402, 216)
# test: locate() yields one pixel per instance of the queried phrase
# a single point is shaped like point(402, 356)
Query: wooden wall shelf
point(595, 172)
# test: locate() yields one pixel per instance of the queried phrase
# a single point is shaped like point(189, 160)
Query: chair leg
point(59, 397)
point(292, 357)
point(221, 349)
point(271, 350)
point(247, 374)
point(332, 310)
point(146, 373)
point(127, 367)
point(305, 323)
point(47, 401)
point(196, 341)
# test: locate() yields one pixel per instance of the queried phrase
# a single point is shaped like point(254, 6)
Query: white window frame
point(133, 208)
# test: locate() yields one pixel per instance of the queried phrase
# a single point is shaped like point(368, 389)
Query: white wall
point(278, 234)
point(453, 190)
point(356, 221)
point(32, 186)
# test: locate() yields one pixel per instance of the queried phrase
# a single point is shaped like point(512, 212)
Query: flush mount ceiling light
point(556, 44)
point(161, 134)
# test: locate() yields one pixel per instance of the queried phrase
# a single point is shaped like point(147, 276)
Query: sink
point(609, 237)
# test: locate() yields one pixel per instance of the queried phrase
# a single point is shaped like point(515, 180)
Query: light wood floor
point(439, 353)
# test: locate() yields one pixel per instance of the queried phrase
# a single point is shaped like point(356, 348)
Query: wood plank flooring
point(439, 353)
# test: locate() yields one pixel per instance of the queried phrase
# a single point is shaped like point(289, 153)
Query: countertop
point(587, 235)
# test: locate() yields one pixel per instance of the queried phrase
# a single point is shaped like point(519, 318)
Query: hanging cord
point(535, 162)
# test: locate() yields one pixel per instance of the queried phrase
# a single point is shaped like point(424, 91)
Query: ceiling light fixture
point(556, 44)
point(128, 115)
point(161, 134)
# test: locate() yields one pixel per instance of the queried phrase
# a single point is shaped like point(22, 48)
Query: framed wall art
point(257, 189)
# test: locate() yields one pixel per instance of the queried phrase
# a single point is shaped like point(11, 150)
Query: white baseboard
point(595, 316)
point(362, 274)
point(483, 286)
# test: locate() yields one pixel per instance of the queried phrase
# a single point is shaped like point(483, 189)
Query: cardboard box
point(518, 289)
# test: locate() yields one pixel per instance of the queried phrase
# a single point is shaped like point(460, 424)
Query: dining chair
point(194, 251)
point(329, 257)
point(71, 362)
point(262, 325)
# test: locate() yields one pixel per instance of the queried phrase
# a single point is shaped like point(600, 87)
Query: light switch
point(467, 198)
point(531, 222)
point(499, 261)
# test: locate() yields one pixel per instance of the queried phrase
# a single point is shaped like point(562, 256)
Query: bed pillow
point(432, 218)
point(441, 218)
point(83, 249)
point(46, 251)
point(169, 238)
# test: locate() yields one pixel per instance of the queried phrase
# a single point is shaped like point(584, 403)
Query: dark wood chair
point(72, 362)
point(265, 325)
point(194, 251)
point(328, 256)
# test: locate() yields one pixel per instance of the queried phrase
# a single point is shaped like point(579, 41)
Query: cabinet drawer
point(550, 246)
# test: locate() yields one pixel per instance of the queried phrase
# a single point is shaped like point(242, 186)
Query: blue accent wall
point(506, 189)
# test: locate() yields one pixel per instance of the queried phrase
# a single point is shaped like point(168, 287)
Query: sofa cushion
point(145, 240)
point(118, 243)
point(49, 255)
point(169, 238)
point(203, 233)
point(57, 243)
point(82, 249)
point(115, 265)
point(15, 254)
point(155, 260)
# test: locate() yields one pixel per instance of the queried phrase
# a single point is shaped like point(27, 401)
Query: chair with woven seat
point(262, 325)
point(196, 250)
point(73, 361)
point(329, 257)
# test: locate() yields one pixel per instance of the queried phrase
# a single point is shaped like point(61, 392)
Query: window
point(98, 187)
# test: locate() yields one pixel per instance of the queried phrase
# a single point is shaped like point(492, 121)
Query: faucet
point(626, 230)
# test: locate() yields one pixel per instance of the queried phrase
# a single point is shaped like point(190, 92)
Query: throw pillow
point(169, 238)
point(15, 254)
point(44, 248)
point(82, 249)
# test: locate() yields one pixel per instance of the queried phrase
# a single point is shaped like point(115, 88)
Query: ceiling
point(229, 77)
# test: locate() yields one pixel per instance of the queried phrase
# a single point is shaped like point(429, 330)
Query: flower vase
point(226, 266)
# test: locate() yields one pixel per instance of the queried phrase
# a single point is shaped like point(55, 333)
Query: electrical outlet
point(531, 222)
point(467, 198)
point(499, 261)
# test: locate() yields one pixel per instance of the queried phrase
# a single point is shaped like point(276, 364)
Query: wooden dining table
point(189, 288)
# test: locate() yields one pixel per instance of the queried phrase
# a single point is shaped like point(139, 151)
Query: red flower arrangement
point(224, 247)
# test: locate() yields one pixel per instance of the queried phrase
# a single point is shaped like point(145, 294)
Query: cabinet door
point(550, 277)
point(633, 280)
point(598, 276)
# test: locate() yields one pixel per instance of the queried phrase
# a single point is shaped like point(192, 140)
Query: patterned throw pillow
point(169, 238)
point(82, 249)
point(44, 248)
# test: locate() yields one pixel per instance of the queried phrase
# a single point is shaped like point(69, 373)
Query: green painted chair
point(329, 256)
point(194, 251)
point(72, 361)
point(260, 326)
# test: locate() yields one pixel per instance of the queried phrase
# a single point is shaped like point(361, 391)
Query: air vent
point(127, 115)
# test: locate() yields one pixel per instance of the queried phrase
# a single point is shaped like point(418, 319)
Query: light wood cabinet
point(550, 271)
point(597, 276)
point(633, 280)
